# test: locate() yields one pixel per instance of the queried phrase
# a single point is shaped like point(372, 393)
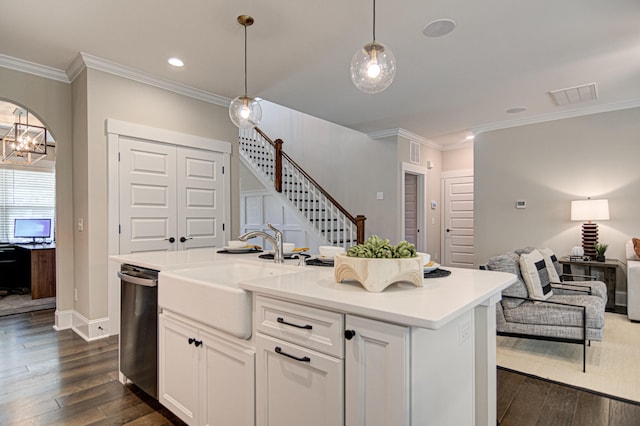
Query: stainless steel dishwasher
point(139, 327)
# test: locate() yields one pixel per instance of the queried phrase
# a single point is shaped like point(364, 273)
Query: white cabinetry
point(171, 197)
point(297, 385)
point(376, 373)
point(204, 379)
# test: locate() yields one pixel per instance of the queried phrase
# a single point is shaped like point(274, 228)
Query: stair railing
point(325, 214)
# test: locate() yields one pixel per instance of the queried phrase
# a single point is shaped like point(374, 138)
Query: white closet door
point(201, 196)
point(147, 173)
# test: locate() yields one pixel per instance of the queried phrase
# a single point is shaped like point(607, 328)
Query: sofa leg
point(584, 357)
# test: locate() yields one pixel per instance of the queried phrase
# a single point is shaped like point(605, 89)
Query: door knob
point(183, 239)
point(349, 334)
point(171, 240)
point(448, 230)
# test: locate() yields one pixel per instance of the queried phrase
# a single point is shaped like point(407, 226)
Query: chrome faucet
point(276, 241)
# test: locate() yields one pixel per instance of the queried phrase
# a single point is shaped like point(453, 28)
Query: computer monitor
point(32, 228)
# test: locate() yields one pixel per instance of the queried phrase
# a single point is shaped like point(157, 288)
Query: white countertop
point(430, 306)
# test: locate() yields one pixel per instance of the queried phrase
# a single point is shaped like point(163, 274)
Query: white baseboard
point(64, 320)
point(90, 330)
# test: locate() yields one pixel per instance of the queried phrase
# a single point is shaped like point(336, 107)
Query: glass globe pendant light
point(245, 112)
point(373, 66)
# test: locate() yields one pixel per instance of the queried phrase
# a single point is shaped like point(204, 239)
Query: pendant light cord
point(374, 20)
point(245, 60)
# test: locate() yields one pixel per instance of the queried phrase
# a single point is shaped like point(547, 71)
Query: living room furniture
point(25, 267)
point(573, 314)
point(633, 283)
point(609, 269)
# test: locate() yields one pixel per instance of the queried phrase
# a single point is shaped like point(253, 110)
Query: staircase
point(328, 219)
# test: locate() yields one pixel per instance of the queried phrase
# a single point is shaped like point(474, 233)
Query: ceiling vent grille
point(574, 95)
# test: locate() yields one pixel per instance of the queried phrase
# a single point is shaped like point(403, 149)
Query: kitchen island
point(342, 355)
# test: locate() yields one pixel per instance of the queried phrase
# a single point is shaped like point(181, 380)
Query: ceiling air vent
point(574, 95)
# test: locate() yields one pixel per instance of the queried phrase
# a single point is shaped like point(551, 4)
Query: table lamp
point(589, 210)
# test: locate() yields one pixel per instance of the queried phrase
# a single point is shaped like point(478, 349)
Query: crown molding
point(104, 65)
point(404, 134)
point(33, 68)
point(596, 109)
point(462, 145)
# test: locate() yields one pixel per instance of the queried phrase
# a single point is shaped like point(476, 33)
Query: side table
point(609, 267)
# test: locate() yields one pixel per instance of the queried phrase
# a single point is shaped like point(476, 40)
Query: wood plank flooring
point(56, 378)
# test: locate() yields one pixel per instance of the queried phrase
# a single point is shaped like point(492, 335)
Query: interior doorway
point(457, 244)
point(413, 205)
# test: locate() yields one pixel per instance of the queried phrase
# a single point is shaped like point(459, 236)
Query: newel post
point(360, 228)
point(278, 166)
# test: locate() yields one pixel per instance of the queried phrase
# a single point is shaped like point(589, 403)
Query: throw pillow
point(554, 269)
point(534, 273)
point(636, 246)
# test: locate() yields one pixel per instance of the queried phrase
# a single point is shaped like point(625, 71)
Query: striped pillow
point(553, 266)
point(535, 275)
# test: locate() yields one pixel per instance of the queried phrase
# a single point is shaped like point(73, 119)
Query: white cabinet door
point(178, 368)
point(376, 373)
point(200, 197)
point(147, 173)
point(297, 386)
point(227, 389)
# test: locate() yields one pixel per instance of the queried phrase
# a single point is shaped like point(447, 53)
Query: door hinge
point(223, 226)
point(119, 229)
point(118, 156)
point(222, 169)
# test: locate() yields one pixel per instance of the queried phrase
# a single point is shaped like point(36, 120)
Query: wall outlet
point(379, 195)
point(464, 332)
point(80, 224)
point(75, 294)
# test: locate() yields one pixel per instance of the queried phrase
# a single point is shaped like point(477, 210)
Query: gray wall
point(548, 165)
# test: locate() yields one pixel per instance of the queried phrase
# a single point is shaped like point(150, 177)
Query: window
point(26, 194)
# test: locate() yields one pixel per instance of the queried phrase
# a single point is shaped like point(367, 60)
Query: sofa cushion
point(509, 263)
point(536, 277)
point(545, 314)
point(554, 269)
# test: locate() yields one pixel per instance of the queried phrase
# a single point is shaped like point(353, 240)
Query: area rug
point(613, 365)
point(19, 304)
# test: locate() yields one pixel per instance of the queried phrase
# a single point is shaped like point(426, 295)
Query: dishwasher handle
point(147, 282)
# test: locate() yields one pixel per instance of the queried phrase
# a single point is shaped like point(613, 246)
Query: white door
point(178, 368)
point(200, 194)
point(147, 174)
point(458, 222)
point(376, 373)
point(297, 386)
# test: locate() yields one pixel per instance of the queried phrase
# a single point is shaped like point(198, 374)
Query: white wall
point(351, 166)
point(548, 165)
point(50, 101)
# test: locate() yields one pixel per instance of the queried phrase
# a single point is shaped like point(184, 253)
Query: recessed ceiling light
point(176, 62)
point(516, 110)
point(439, 27)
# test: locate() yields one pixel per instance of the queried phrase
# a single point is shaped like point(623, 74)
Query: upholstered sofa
point(633, 282)
point(573, 312)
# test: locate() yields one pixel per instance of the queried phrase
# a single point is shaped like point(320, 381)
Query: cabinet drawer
point(303, 325)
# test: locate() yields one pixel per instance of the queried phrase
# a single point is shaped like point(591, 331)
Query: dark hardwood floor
point(51, 378)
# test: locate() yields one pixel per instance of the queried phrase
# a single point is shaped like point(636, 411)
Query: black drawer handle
point(303, 359)
point(282, 321)
point(191, 340)
point(349, 334)
point(198, 343)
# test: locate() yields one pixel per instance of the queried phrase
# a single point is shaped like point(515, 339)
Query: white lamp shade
point(590, 210)
point(245, 112)
point(373, 68)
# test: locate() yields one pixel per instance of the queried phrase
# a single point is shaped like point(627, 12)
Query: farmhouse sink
point(210, 294)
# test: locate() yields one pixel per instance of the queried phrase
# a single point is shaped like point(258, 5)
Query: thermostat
point(522, 204)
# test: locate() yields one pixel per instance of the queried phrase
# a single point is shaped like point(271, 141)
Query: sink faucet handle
point(274, 229)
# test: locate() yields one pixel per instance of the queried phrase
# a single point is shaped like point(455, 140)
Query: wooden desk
point(609, 268)
point(38, 266)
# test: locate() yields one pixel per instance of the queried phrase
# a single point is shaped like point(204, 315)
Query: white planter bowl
point(377, 274)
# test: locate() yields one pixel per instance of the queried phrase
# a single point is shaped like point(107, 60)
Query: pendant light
point(245, 112)
point(373, 66)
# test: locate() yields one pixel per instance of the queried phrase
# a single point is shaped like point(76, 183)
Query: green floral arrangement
point(377, 248)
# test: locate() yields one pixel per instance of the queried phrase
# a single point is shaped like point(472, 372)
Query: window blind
point(29, 194)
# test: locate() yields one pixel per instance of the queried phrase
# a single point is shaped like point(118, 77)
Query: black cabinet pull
point(171, 240)
point(191, 340)
point(198, 343)
point(349, 334)
point(183, 239)
point(303, 359)
point(282, 321)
